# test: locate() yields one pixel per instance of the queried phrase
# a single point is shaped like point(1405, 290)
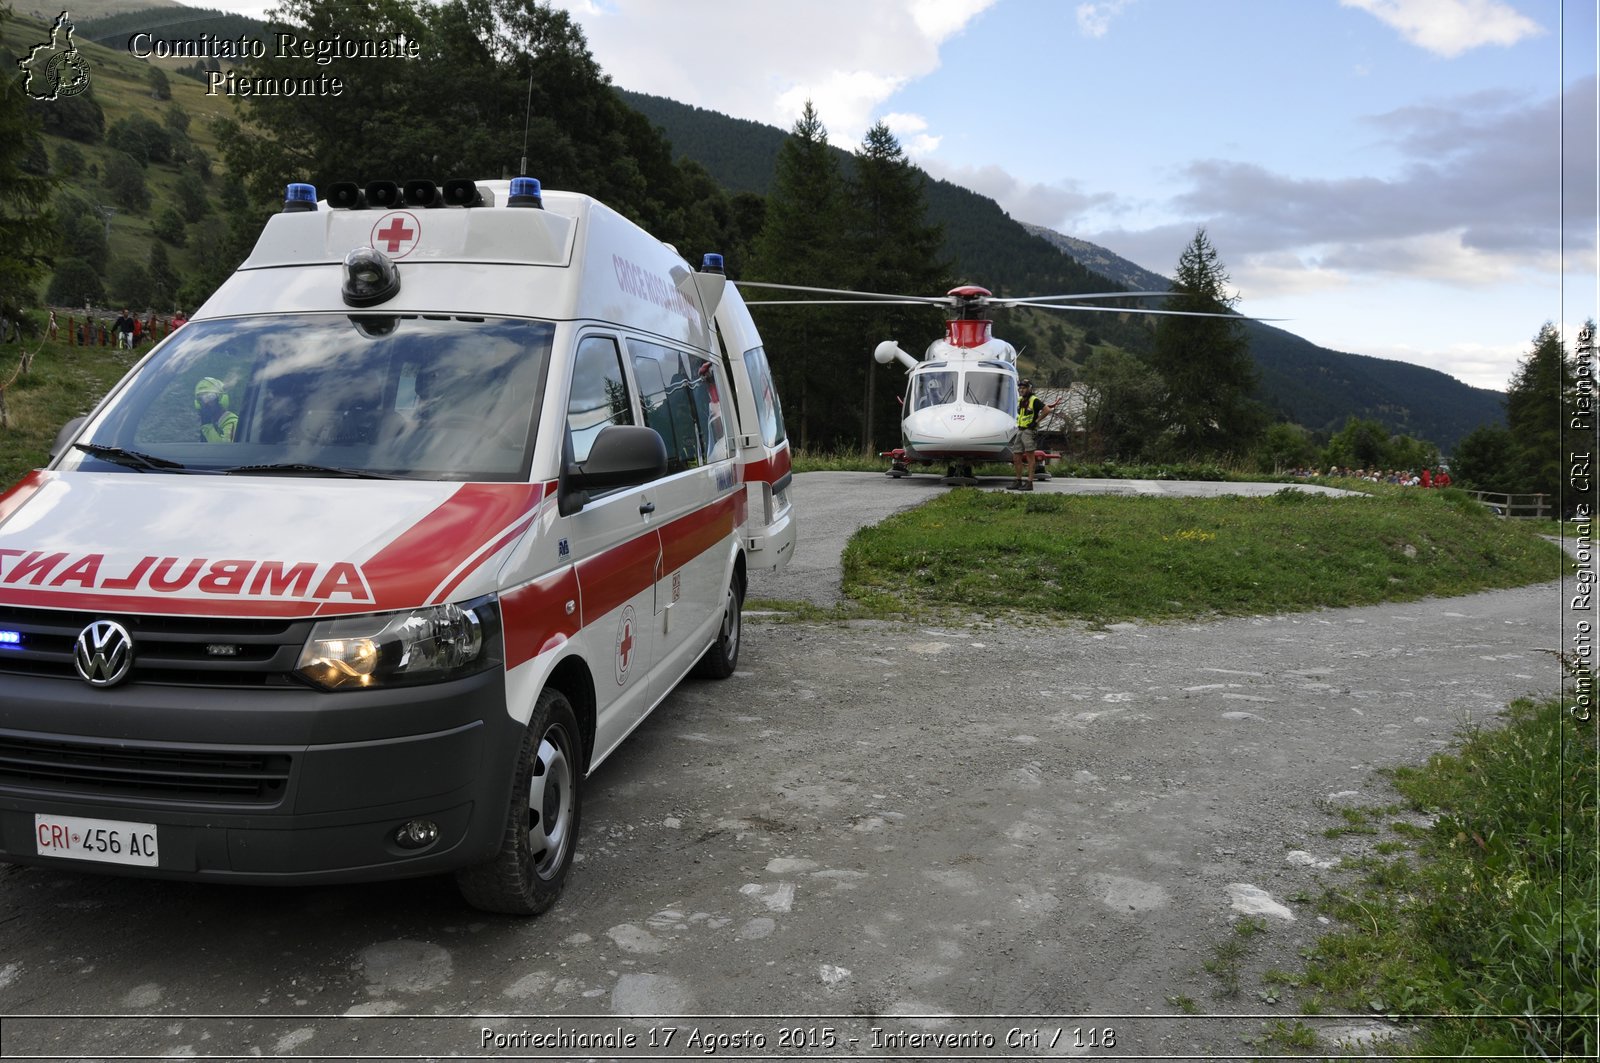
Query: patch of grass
point(1250, 926)
point(1356, 821)
point(1296, 1037)
point(1184, 1004)
point(63, 383)
point(843, 461)
point(1104, 558)
point(1496, 925)
point(1224, 964)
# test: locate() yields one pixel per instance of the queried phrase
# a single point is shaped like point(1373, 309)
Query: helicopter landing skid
point(959, 476)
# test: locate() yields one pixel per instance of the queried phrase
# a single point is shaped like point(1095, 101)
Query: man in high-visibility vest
point(217, 423)
point(1030, 408)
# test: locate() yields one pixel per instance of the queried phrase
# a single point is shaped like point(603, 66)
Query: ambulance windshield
point(359, 395)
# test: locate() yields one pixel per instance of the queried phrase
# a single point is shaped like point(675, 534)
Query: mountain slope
point(1318, 387)
point(1310, 385)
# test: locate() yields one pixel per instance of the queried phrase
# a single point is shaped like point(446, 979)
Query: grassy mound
point(1105, 558)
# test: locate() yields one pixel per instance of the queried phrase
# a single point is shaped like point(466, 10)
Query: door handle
point(647, 509)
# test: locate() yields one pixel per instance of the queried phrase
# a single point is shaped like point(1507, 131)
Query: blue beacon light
point(711, 263)
point(525, 192)
point(300, 196)
point(10, 640)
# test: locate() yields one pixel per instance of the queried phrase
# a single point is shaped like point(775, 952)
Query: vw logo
point(103, 654)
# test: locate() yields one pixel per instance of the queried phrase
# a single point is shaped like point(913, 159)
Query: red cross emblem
point(626, 644)
point(396, 234)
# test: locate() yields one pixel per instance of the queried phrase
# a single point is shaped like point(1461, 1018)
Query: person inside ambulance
point(218, 424)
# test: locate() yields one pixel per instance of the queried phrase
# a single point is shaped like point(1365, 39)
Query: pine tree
point(1538, 404)
point(1205, 361)
point(896, 251)
point(802, 242)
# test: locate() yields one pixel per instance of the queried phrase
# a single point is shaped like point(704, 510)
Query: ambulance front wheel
point(720, 660)
point(541, 830)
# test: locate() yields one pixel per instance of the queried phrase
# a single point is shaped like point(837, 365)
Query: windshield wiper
point(295, 468)
point(133, 459)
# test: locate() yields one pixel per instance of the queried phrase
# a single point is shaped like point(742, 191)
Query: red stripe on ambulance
point(536, 616)
point(768, 470)
point(412, 567)
point(609, 580)
point(688, 537)
point(20, 491)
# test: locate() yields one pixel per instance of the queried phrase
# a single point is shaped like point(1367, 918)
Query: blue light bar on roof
point(525, 192)
point(300, 196)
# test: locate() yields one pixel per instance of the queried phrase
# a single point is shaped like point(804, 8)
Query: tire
point(723, 657)
point(541, 832)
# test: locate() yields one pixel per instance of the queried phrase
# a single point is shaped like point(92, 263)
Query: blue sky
point(1384, 174)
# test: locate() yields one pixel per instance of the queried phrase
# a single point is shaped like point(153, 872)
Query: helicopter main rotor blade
point(884, 301)
point(1030, 300)
point(866, 297)
point(1141, 310)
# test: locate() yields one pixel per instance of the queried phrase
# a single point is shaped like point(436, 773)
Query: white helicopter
point(960, 405)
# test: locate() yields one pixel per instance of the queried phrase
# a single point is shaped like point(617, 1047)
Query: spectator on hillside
point(122, 329)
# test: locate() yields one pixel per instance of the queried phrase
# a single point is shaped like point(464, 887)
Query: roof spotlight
point(370, 277)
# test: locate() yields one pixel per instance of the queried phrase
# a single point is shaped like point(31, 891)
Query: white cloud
point(912, 132)
point(1094, 19)
point(1474, 364)
point(943, 19)
point(762, 61)
point(1059, 205)
point(1450, 28)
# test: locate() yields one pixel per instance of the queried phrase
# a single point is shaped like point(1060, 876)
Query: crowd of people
point(1402, 477)
point(126, 330)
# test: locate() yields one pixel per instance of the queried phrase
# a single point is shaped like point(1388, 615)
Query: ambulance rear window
point(423, 398)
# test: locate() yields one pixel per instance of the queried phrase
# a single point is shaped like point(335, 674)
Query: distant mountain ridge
point(1310, 385)
point(1305, 382)
point(1104, 262)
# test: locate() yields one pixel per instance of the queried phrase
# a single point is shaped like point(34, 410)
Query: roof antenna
point(527, 117)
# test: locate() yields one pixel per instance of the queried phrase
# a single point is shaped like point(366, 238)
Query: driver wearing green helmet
point(217, 423)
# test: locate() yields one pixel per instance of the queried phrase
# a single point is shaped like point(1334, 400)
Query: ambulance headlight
point(428, 645)
point(370, 277)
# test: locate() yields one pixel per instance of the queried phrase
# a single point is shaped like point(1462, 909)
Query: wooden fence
point(1520, 507)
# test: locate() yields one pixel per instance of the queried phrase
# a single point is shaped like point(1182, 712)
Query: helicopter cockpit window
point(991, 389)
point(319, 394)
point(933, 389)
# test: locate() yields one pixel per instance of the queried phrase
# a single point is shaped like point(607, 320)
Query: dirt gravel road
point(873, 830)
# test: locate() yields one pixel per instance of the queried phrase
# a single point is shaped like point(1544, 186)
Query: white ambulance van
point(362, 571)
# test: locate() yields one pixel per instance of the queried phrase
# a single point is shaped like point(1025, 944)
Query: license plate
point(110, 841)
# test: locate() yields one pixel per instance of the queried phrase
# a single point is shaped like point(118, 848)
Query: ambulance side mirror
point(68, 430)
point(623, 455)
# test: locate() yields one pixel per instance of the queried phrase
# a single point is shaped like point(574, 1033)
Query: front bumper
point(262, 786)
